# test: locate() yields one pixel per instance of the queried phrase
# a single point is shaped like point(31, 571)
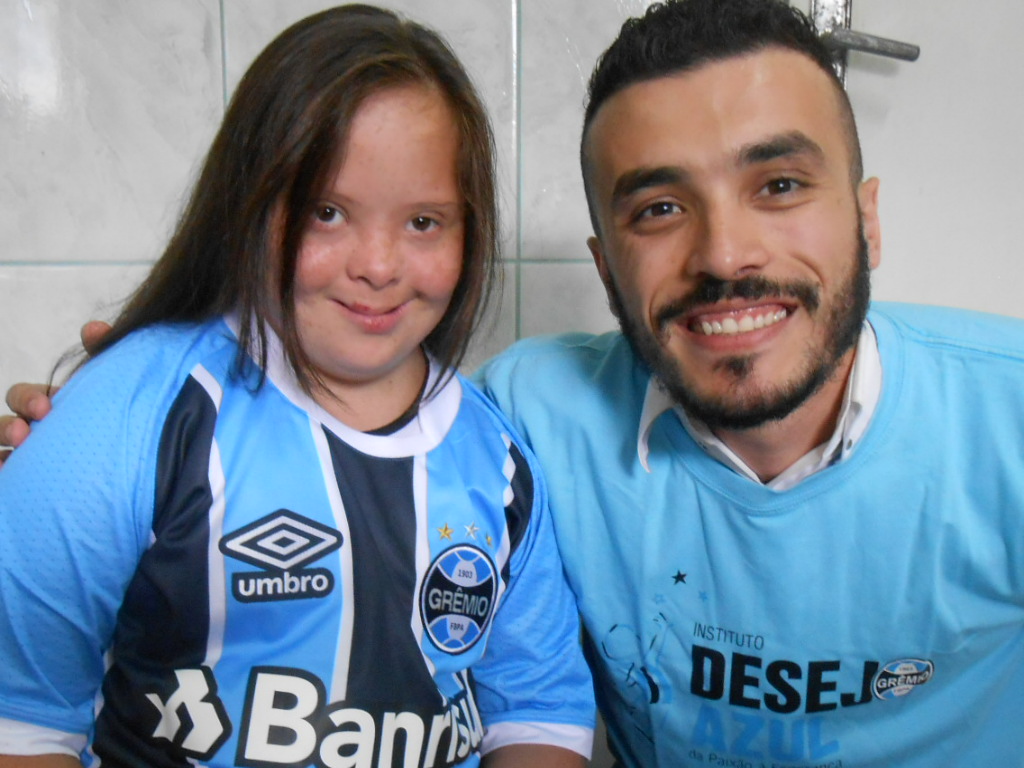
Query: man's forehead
point(744, 95)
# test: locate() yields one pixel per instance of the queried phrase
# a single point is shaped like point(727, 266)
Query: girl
point(268, 525)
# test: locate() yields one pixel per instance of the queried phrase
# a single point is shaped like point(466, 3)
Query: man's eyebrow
point(633, 181)
point(783, 145)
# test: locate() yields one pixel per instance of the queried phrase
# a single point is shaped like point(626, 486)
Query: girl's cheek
point(314, 268)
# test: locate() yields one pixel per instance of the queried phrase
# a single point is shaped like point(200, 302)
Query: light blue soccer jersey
point(870, 617)
point(270, 587)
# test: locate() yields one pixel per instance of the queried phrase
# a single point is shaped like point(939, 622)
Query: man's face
point(733, 243)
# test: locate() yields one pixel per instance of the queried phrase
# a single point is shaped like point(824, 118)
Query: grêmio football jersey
point(222, 573)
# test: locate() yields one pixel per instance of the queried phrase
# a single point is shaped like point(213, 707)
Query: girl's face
point(382, 255)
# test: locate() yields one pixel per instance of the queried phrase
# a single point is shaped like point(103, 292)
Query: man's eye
point(781, 186)
point(659, 209)
point(423, 223)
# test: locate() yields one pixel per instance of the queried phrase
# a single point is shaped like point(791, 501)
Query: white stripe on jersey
point(503, 552)
point(419, 490)
point(339, 680)
point(216, 578)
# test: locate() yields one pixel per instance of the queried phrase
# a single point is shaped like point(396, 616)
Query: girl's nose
point(376, 259)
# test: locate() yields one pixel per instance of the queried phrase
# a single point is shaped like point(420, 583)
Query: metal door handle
point(847, 40)
point(832, 20)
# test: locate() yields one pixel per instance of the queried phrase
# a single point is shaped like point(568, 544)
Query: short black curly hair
point(679, 35)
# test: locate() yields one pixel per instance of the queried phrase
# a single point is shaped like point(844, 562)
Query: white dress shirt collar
point(863, 390)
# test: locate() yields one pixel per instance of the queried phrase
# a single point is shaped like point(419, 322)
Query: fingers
point(29, 401)
point(92, 333)
point(13, 432)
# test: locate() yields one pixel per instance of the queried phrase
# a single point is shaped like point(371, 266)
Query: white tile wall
point(105, 108)
point(944, 136)
point(42, 308)
point(560, 43)
point(562, 295)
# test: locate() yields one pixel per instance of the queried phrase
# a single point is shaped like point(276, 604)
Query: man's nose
point(730, 244)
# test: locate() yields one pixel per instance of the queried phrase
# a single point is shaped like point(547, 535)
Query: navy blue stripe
point(381, 513)
point(164, 619)
point(520, 508)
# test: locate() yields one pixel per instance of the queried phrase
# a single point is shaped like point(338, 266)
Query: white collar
point(863, 390)
point(422, 434)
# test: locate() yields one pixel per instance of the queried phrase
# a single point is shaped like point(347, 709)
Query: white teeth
point(729, 326)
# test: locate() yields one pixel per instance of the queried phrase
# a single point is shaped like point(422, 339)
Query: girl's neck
point(376, 405)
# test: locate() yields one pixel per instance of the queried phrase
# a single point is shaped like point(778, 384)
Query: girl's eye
point(662, 208)
point(328, 214)
point(423, 223)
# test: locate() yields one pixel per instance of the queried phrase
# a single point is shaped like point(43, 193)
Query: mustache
point(711, 290)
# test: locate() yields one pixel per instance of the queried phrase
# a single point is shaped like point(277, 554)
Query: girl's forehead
point(404, 112)
point(402, 147)
point(421, 101)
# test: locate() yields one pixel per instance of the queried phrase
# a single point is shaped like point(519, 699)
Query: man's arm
point(527, 756)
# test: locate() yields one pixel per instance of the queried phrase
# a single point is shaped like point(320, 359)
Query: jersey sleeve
point(533, 685)
point(21, 738)
point(75, 503)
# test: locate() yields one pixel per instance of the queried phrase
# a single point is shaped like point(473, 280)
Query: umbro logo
point(282, 542)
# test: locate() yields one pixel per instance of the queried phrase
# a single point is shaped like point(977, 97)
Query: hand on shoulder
point(31, 402)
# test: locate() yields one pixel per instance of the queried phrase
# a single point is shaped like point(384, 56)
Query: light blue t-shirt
point(870, 617)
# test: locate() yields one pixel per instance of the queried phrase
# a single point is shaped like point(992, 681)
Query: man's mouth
point(735, 323)
point(720, 308)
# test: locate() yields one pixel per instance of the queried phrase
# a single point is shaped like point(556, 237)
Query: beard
point(843, 318)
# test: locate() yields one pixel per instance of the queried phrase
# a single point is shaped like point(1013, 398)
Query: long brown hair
point(284, 130)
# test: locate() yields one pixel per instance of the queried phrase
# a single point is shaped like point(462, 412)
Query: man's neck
point(769, 450)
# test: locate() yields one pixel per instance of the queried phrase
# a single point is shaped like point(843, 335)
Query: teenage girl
point(268, 524)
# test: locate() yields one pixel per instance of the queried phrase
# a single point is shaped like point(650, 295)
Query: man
point(794, 527)
point(796, 537)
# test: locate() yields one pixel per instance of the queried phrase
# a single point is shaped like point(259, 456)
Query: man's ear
point(594, 244)
point(867, 197)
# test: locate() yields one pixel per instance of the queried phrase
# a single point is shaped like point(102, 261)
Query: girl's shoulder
point(152, 359)
point(478, 406)
point(117, 402)
point(490, 423)
point(93, 459)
